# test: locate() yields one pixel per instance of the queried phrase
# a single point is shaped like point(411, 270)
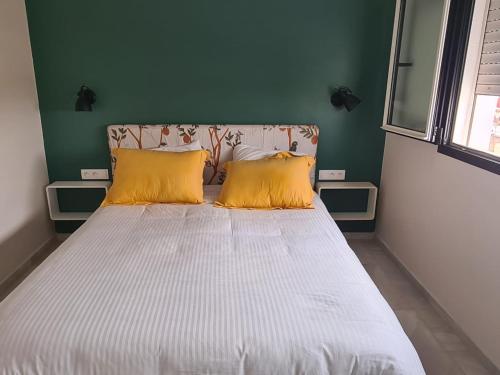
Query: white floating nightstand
point(51, 190)
point(369, 214)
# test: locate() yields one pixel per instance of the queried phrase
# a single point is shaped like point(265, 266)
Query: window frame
point(428, 135)
point(459, 25)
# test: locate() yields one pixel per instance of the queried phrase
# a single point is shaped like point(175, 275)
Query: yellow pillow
point(276, 182)
point(143, 177)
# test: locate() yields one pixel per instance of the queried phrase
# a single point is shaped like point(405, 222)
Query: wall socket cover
point(95, 174)
point(333, 174)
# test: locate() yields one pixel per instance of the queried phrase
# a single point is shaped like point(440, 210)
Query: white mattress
point(180, 289)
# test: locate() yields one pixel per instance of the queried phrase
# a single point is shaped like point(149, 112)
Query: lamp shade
point(343, 97)
point(351, 102)
point(86, 97)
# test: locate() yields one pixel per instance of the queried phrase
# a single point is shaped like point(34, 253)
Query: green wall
point(201, 61)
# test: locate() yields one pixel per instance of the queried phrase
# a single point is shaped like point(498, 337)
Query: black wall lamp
point(86, 97)
point(343, 97)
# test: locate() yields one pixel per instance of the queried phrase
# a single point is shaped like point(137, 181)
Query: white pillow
point(193, 146)
point(246, 152)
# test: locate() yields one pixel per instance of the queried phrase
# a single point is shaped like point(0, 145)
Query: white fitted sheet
point(185, 289)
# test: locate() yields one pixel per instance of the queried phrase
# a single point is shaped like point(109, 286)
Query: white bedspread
point(179, 289)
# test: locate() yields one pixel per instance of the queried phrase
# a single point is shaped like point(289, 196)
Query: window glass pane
point(414, 67)
point(483, 132)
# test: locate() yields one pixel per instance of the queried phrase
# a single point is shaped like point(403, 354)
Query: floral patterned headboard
point(218, 139)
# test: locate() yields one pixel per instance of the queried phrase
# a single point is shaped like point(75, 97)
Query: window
point(467, 121)
point(477, 124)
point(444, 77)
point(481, 131)
point(417, 45)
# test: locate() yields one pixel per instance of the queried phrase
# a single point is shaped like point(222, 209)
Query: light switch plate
point(332, 174)
point(95, 174)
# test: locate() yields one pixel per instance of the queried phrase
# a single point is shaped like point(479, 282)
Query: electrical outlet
point(326, 174)
point(95, 174)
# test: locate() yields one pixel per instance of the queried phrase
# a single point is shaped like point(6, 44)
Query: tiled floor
point(440, 348)
point(21, 274)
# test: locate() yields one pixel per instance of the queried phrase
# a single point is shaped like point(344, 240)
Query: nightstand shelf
point(51, 190)
point(369, 214)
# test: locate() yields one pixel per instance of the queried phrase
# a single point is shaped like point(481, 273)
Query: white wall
point(441, 218)
point(24, 223)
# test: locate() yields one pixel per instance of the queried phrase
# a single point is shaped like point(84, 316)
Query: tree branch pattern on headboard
point(220, 140)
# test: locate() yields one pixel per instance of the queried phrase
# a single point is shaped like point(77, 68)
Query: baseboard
point(443, 313)
point(359, 235)
point(9, 280)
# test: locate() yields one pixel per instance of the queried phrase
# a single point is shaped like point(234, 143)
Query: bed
point(195, 289)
